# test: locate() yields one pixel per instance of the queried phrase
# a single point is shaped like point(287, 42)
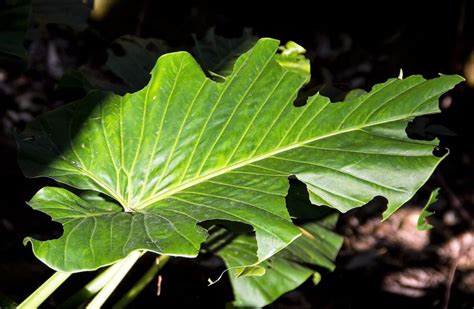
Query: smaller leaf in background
point(127, 68)
point(217, 54)
point(291, 56)
point(422, 224)
point(74, 80)
point(14, 22)
point(285, 271)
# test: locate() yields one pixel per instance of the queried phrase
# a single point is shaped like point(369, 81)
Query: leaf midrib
point(218, 172)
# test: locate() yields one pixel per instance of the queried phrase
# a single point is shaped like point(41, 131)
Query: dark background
point(351, 44)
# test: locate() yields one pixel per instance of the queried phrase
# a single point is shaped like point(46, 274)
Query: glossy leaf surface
point(186, 149)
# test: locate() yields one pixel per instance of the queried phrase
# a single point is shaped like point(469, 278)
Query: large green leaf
point(288, 269)
point(186, 149)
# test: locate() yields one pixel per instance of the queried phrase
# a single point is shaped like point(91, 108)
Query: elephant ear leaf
point(186, 149)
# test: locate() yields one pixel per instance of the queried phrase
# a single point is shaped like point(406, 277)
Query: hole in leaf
point(222, 232)
point(427, 128)
point(335, 92)
point(440, 151)
point(237, 227)
point(298, 203)
point(47, 229)
point(376, 207)
point(418, 129)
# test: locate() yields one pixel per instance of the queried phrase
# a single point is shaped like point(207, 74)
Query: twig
point(464, 248)
point(142, 282)
point(449, 283)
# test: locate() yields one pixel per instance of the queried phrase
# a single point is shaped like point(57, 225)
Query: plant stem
point(126, 264)
point(92, 287)
point(45, 290)
point(142, 282)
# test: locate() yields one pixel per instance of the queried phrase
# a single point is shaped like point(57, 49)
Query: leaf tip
point(26, 241)
point(268, 40)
